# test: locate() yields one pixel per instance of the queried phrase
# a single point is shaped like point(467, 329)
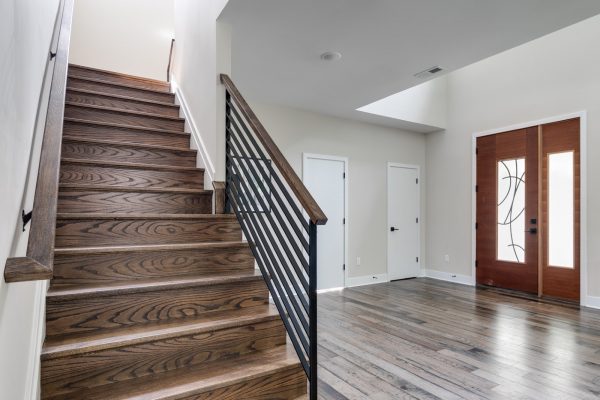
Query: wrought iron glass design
point(511, 210)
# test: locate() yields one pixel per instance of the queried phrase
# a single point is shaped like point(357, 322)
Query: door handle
point(392, 229)
point(533, 231)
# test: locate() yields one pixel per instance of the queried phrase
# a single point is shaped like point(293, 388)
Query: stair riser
point(109, 88)
point(106, 268)
point(72, 201)
point(288, 384)
point(117, 153)
point(99, 313)
point(82, 233)
point(125, 104)
point(123, 118)
point(124, 135)
point(62, 375)
point(116, 78)
point(130, 177)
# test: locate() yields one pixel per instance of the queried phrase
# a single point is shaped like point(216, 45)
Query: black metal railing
point(279, 224)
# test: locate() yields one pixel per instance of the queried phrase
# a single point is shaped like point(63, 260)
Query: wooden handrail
point(170, 60)
point(38, 262)
point(309, 204)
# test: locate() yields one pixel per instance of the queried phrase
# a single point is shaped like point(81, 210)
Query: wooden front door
point(528, 210)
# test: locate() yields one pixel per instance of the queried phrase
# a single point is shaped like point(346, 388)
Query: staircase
point(153, 296)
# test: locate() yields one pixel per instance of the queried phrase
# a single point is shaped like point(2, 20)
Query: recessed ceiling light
point(331, 56)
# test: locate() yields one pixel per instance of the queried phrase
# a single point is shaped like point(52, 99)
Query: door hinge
point(476, 225)
point(417, 259)
point(417, 220)
point(344, 175)
point(476, 263)
point(476, 188)
point(417, 181)
point(344, 221)
point(344, 267)
point(476, 150)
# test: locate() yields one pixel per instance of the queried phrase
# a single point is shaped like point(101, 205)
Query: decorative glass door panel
point(511, 210)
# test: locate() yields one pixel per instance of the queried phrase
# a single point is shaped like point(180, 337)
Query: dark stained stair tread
point(130, 165)
point(144, 248)
point(119, 96)
point(124, 111)
point(100, 188)
point(124, 126)
point(100, 141)
point(119, 84)
point(62, 346)
point(119, 288)
point(116, 216)
point(273, 373)
point(117, 77)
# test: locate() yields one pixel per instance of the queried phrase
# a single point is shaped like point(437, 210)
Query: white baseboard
point(366, 280)
point(38, 334)
point(592, 302)
point(209, 167)
point(449, 277)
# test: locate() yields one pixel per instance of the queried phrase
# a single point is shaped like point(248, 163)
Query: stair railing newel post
point(271, 205)
point(312, 296)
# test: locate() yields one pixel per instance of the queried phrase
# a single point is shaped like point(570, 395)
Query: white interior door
point(324, 177)
point(403, 222)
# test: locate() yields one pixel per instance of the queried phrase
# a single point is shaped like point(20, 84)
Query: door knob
point(392, 229)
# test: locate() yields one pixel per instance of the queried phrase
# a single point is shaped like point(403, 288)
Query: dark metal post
point(312, 301)
point(227, 151)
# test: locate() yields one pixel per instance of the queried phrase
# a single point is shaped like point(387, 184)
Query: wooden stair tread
point(184, 382)
point(145, 248)
point(115, 164)
point(96, 188)
point(79, 216)
point(58, 346)
point(121, 75)
point(121, 97)
point(120, 84)
point(94, 141)
point(141, 286)
point(124, 126)
point(123, 111)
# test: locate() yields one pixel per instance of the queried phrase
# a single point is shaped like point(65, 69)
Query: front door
point(528, 210)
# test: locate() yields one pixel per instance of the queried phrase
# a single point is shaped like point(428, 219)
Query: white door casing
point(403, 224)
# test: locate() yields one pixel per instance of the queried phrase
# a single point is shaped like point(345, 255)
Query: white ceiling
point(277, 44)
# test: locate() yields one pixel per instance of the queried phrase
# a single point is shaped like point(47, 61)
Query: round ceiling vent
point(331, 56)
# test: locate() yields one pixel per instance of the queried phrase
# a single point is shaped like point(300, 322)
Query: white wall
point(552, 76)
point(369, 148)
point(203, 52)
point(25, 32)
point(424, 104)
point(127, 36)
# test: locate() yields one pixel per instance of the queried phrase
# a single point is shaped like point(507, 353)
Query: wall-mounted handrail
point(170, 60)
point(309, 204)
point(38, 262)
point(279, 218)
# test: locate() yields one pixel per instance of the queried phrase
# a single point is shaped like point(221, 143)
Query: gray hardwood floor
point(429, 339)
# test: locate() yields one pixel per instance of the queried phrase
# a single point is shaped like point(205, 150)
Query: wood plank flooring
point(427, 339)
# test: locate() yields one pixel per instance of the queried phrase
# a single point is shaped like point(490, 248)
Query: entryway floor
point(429, 339)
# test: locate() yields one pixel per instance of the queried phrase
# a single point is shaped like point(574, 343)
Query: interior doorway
point(528, 199)
point(403, 227)
point(325, 177)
